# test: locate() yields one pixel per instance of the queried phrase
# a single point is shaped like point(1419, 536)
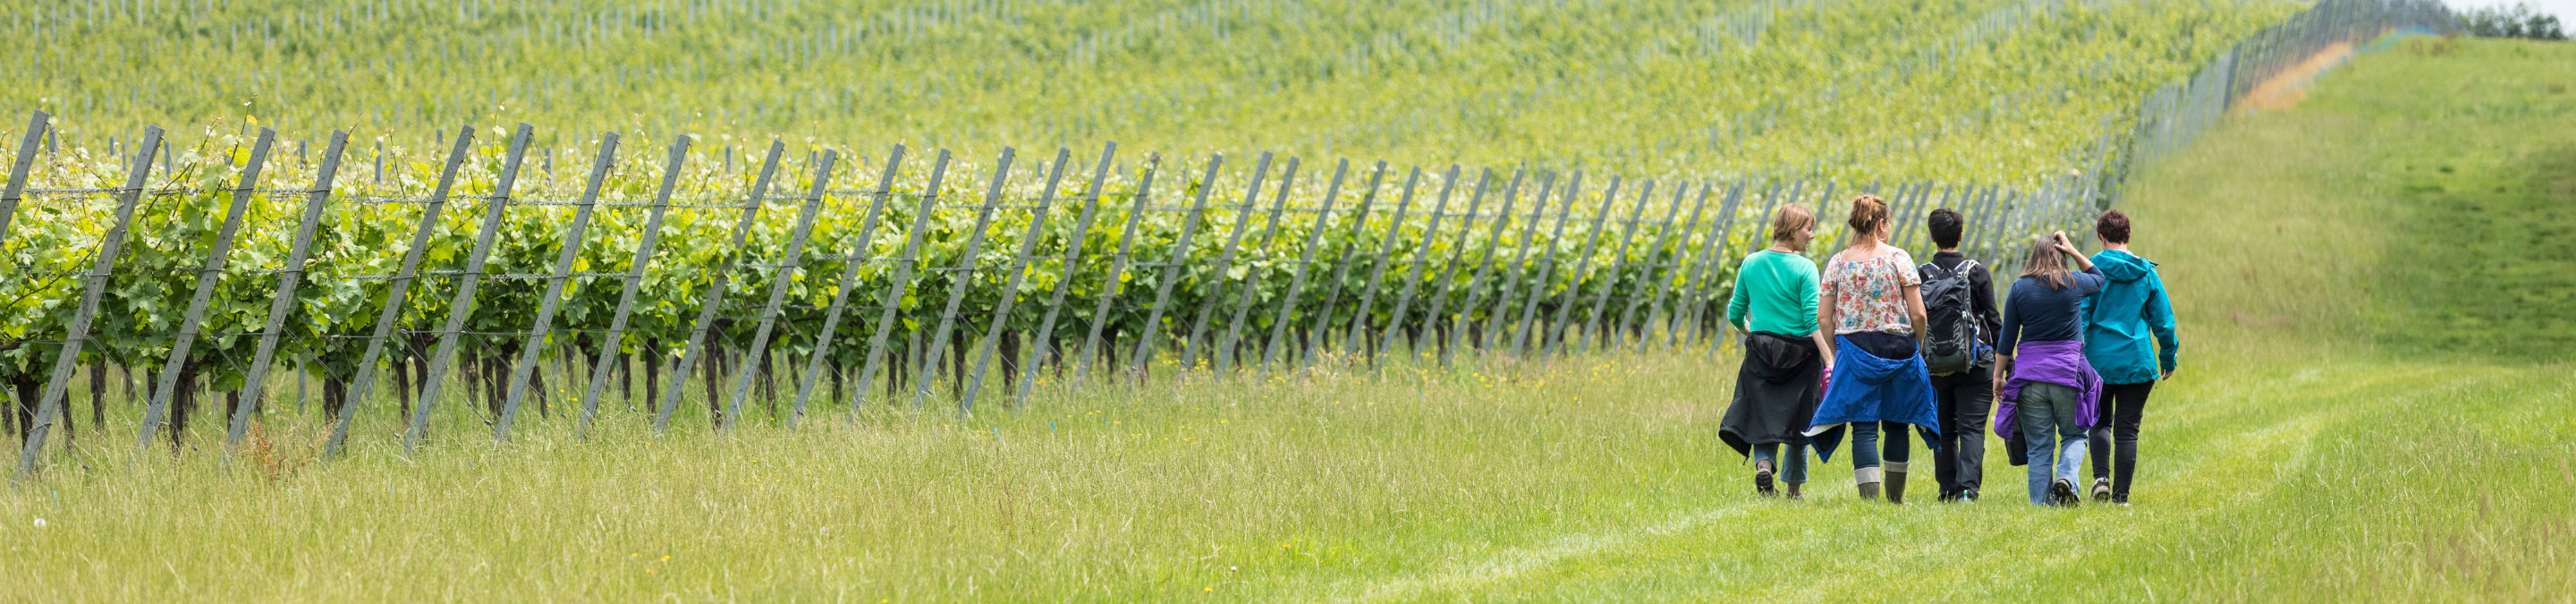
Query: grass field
point(2374, 404)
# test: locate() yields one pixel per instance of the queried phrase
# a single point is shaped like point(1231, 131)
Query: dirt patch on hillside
point(2285, 90)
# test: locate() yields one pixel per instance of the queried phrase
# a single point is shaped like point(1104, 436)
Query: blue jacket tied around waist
point(1867, 388)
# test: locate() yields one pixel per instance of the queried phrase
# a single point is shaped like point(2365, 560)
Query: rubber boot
point(1896, 482)
point(1868, 479)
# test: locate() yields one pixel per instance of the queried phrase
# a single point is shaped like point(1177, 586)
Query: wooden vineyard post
point(611, 342)
point(713, 299)
point(462, 305)
point(1502, 311)
point(1010, 295)
point(1225, 349)
point(1529, 324)
point(791, 261)
point(1646, 276)
point(1610, 278)
point(396, 292)
point(1171, 270)
point(1413, 273)
point(571, 250)
point(1704, 277)
point(20, 169)
point(1111, 287)
point(1043, 339)
point(1341, 271)
point(891, 302)
point(1677, 267)
point(859, 255)
point(961, 279)
point(1484, 266)
point(1437, 313)
point(207, 277)
point(290, 278)
point(1305, 261)
point(1224, 262)
point(1554, 333)
point(50, 405)
point(1377, 269)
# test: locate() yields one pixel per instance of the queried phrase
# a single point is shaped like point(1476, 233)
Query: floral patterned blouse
point(1870, 295)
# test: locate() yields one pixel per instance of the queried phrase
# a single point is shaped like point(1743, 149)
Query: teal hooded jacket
point(2118, 320)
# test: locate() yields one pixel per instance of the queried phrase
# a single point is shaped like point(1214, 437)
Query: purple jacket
point(2059, 362)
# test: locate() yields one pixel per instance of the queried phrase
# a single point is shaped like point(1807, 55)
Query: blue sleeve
point(2160, 319)
point(2008, 340)
point(2089, 282)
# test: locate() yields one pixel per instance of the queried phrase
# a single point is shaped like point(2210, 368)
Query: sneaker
point(2101, 489)
point(2063, 493)
point(1762, 482)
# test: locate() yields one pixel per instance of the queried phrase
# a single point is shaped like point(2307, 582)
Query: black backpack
point(1954, 344)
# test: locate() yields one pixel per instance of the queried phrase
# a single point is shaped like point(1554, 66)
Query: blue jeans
point(1792, 470)
point(1866, 450)
point(2048, 415)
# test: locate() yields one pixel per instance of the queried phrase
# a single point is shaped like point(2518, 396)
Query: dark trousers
point(1963, 401)
point(2122, 405)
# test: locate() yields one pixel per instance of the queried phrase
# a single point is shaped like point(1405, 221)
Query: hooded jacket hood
point(2123, 267)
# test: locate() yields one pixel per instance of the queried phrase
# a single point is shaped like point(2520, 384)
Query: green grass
point(2301, 454)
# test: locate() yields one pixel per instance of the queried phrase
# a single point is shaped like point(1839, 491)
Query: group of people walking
point(1879, 349)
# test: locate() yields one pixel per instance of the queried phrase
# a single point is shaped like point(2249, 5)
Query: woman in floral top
point(1873, 301)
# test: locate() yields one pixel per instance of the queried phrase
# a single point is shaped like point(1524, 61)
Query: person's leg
point(2124, 434)
point(1765, 455)
point(2100, 435)
point(1945, 455)
point(1866, 474)
point(1794, 469)
point(2071, 439)
point(1976, 403)
point(2039, 432)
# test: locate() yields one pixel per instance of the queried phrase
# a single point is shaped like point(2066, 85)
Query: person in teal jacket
point(2117, 323)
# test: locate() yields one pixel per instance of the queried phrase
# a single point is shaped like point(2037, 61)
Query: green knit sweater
point(1778, 290)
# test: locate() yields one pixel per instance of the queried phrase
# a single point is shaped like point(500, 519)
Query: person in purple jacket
point(2047, 387)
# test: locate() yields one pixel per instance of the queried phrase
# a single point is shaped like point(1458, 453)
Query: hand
point(1999, 383)
point(2167, 375)
point(2065, 246)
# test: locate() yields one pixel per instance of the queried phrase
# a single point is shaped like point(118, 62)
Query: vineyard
point(2007, 91)
point(497, 272)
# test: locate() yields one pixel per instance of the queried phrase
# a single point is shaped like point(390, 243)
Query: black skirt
point(1776, 392)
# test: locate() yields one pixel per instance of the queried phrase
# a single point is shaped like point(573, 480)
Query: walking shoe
point(1762, 480)
point(2062, 493)
point(2101, 489)
point(1794, 495)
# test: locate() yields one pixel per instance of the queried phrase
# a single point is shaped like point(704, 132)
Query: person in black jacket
point(1963, 399)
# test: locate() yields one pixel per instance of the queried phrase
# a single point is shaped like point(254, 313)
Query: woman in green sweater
point(1776, 390)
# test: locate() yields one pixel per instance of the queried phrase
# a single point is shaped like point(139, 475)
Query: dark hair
point(2113, 226)
point(1945, 227)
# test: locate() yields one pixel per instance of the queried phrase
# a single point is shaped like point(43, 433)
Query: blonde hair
point(1867, 213)
point(1790, 219)
point(2046, 263)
